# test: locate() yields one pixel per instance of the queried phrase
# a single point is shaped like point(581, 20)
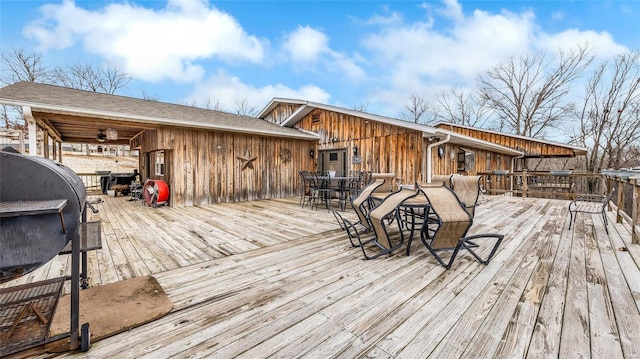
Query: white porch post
point(33, 135)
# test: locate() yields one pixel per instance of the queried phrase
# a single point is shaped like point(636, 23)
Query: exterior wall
point(448, 164)
point(202, 167)
point(530, 148)
point(381, 147)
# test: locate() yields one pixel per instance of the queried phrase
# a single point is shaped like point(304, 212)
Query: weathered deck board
point(272, 279)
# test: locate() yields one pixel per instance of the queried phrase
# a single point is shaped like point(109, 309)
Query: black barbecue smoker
point(42, 214)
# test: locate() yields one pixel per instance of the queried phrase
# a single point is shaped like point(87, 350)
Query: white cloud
point(309, 50)
point(306, 45)
point(424, 56)
point(452, 10)
point(229, 90)
point(149, 44)
point(602, 43)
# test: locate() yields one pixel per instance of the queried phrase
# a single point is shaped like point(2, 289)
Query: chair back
point(359, 202)
point(386, 208)
point(388, 178)
point(454, 220)
point(467, 188)
point(440, 179)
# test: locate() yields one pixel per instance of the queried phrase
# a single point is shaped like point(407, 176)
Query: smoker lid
point(34, 226)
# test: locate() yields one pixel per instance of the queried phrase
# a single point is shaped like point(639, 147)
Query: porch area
point(271, 279)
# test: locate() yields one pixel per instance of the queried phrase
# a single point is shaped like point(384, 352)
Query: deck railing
point(91, 182)
point(569, 186)
point(627, 201)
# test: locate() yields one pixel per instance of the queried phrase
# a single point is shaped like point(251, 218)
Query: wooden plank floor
point(269, 279)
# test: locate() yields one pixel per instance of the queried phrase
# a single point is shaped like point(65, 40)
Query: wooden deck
point(269, 279)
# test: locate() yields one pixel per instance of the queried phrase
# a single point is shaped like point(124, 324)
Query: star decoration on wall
point(246, 160)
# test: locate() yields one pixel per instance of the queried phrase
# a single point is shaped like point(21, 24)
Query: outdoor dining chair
point(308, 184)
point(449, 231)
point(440, 179)
point(352, 231)
point(467, 188)
point(382, 217)
point(361, 203)
point(389, 178)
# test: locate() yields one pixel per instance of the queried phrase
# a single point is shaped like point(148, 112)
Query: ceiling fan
point(101, 137)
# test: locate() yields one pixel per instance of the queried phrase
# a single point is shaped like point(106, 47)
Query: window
point(159, 163)
point(315, 118)
point(470, 160)
point(466, 160)
point(488, 165)
point(333, 156)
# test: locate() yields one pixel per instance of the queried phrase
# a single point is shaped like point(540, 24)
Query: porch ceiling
point(77, 129)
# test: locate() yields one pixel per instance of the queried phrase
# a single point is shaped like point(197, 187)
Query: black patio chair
point(591, 204)
point(308, 184)
point(449, 231)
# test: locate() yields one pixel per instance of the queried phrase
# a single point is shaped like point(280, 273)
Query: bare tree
point(361, 107)
point(214, 104)
point(149, 97)
point(103, 78)
point(529, 94)
point(609, 114)
point(415, 110)
point(462, 107)
point(243, 107)
point(20, 65)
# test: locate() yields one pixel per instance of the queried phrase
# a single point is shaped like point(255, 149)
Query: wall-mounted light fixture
point(355, 150)
point(311, 153)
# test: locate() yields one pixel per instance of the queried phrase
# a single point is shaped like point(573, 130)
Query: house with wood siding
point(209, 156)
point(205, 156)
point(351, 141)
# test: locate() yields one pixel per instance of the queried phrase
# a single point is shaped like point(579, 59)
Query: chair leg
point(605, 220)
point(571, 218)
point(434, 252)
point(470, 239)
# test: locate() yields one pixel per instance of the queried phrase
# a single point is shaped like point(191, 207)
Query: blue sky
point(345, 53)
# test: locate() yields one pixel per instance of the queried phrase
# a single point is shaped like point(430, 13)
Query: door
point(334, 160)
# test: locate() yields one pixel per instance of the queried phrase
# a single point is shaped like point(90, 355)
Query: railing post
point(635, 208)
point(620, 203)
point(524, 183)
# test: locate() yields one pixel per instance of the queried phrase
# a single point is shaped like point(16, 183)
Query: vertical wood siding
point(204, 168)
point(531, 148)
point(381, 147)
